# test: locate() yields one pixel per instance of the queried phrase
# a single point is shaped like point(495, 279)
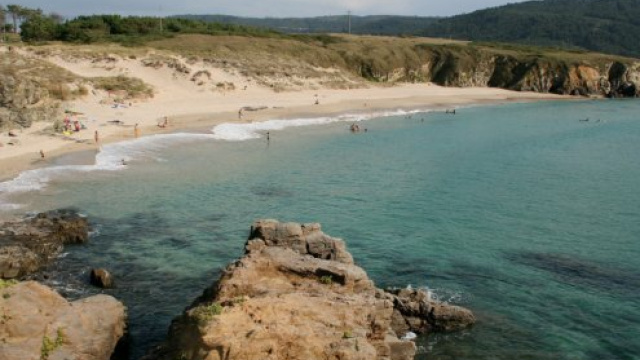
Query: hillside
point(609, 26)
point(370, 25)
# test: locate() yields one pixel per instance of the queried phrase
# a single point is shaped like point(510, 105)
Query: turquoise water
point(520, 212)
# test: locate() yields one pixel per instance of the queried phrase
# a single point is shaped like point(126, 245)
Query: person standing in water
point(96, 137)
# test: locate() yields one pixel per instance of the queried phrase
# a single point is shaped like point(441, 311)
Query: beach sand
point(189, 106)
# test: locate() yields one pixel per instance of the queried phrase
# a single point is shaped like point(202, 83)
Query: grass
point(7, 283)
point(134, 87)
point(205, 313)
point(50, 345)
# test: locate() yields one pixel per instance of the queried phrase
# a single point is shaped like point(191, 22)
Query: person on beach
point(240, 114)
point(96, 136)
point(136, 131)
point(41, 154)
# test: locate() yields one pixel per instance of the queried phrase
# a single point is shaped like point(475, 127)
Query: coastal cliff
point(477, 66)
point(297, 294)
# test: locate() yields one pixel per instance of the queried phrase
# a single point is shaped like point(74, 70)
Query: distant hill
point(372, 25)
point(609, 26)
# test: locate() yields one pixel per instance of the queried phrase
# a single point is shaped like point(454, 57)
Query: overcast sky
point(260, 8)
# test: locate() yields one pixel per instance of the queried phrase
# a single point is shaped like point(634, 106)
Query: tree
point(2, 15)
point(15, 11)
point(37, 27)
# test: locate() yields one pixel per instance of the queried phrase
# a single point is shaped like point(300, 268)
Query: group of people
point(77, 126)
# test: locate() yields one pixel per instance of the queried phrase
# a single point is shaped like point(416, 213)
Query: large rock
point(101, 278)
point(27, 245)
point(415, 311)
point(37, 323)
point(296, 294)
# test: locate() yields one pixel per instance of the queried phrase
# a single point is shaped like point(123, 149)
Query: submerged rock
point(296, 294)
point(101, 278)
point(37, 323)
point(29, 244)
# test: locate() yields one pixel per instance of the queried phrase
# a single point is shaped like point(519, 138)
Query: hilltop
point(609, 26)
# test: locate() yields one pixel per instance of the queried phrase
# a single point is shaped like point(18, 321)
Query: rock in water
point(27, 245)
point(101, 278)
point(296, 294)
point(37, 323)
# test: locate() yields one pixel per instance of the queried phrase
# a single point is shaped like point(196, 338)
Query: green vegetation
point(134, 87)
point(372, 25)
point(49, 345)
point(609, 26)
point(125, 30)
point(7, 283)
point(327, 279)
point(204, 313)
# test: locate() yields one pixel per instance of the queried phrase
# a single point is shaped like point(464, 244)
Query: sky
point(260, 8)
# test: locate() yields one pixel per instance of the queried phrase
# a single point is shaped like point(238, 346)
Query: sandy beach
point(187, 105)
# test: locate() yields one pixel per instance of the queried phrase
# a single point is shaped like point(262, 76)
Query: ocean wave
point(116, 156)
point(112, 157)
point(256, 130)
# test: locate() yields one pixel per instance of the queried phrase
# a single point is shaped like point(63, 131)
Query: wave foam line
point(242, 132)
point(110, 158)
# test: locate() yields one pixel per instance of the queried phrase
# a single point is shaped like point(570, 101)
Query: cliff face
point(296, 294)
point(466, 66)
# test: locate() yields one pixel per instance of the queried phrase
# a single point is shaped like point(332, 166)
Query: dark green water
point(520, 212)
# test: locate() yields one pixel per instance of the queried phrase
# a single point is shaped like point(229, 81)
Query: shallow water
point(521, 212)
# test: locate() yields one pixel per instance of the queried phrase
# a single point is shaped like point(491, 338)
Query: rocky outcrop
point(24, 101)
point(27, 245)
point(296, 294)
point(477, 66)
point(101, 278)
point(37, 323)
point(415, 311)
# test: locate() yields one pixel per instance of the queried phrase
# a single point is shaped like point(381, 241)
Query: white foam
point(110, 158)
point(256, 130)
point(113, 157)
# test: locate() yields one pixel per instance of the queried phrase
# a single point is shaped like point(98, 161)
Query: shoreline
point(25, 157)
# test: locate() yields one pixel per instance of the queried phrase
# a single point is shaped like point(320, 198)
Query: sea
point(526, 213)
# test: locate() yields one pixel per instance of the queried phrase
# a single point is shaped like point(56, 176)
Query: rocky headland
point(297, 294)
